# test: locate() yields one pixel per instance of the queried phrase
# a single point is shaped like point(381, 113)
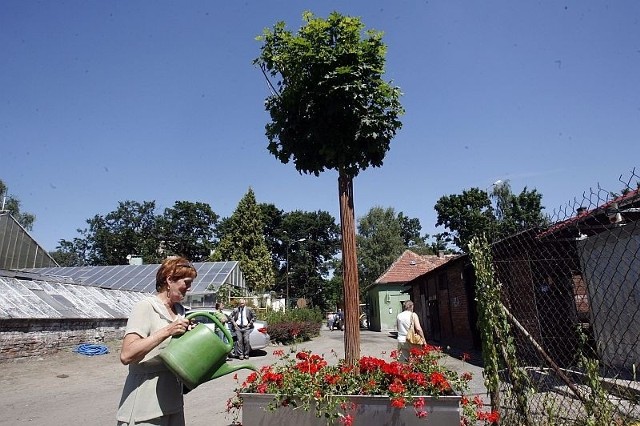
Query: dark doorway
point(434, 316)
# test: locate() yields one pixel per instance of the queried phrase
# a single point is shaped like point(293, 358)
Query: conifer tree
point(244, 241)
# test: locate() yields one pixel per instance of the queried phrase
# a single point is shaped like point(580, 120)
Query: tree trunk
point(350, 271)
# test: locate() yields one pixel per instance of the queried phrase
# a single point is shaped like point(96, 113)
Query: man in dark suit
point(243, 318)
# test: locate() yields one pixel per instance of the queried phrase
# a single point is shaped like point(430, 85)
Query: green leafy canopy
point(330, 107)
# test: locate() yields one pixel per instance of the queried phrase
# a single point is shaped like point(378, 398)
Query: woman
point(403, 323)
point(152, 394)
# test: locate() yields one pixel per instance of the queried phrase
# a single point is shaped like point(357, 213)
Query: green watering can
point(199, 355)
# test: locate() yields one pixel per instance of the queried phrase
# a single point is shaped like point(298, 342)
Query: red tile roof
point(411, 265)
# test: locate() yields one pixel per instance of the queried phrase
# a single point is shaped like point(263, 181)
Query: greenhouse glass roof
point(26, 296)
point(17, 248)
point(142, 278)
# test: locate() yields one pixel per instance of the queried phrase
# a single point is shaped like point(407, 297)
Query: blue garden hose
point(91, 349)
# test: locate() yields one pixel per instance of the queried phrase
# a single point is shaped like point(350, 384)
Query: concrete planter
point(370, 410)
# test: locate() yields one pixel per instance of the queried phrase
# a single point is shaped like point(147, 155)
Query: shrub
point(293, 331)
point(303, 315)
point(295, 325)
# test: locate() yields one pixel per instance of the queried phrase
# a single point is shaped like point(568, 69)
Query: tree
point(515, 213)
point(188, 230)
point(309, 259)
point(380, 242)
point(135, 229)
point(131, 229)
point(244, 242)
point(411, 231)
point(466, 215)
point(71, 253)
point(12, 205)
point(472, 213)
point(272, 219)
point(331, 109)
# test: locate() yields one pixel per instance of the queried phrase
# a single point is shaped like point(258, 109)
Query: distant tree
point(187, 230)
point(272, 218)
point(12, 205)
point(440, 242)
point(472, 213)
point(333, 289)
point(381, 239)
point(515, 213)
point(244, 241)
point(331, 109)
point(309, 260)
point(131, 229)
point(411, 231)
point(71, 253)
point(466, 215)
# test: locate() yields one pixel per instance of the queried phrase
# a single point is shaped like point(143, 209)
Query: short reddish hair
point(176, 268)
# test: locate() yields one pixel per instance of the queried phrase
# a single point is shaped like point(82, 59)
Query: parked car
point(258, 338)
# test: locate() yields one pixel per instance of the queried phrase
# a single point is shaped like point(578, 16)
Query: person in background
point(403, 323)
point(330, 318)
point(152, 395)
point(243, 318)
point(339, 319)
point(223, 319)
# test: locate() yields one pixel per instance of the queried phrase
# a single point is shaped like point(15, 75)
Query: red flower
point(418, 378)
point(493, 417)
point(398, 402)
point(478, 401)
point(368, 364)
point(396, 387)
point(347, 420)
point(439, 381)
point(332, 379)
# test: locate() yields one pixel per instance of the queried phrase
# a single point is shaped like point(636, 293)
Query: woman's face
point(178, 289)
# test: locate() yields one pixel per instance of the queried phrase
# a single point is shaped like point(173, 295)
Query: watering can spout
point(226, 369)
point(198, 355)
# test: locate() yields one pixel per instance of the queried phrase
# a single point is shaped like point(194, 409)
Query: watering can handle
point(217, 322)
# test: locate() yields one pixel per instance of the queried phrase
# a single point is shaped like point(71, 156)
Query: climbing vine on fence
point(498, 346)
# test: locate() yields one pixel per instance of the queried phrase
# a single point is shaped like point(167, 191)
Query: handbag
point(413, 337)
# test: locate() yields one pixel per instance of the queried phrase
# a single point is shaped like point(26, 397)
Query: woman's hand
point(178, 327)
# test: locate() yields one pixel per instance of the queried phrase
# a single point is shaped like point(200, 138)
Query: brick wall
point(23, 338)
point(461, 333)
point(446, 288)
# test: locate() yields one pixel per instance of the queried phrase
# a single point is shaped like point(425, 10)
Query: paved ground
point(68, 388)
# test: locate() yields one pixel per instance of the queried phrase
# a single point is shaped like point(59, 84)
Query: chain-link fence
point(571, 294)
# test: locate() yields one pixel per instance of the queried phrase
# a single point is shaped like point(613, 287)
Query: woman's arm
point(136, 347)
point(416, 325)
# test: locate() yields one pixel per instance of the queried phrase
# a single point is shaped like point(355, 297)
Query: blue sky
point(106, 101)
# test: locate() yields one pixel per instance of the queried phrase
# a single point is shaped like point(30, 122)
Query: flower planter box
point(369, 411)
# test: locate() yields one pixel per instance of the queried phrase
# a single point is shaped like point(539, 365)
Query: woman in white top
point(403, 323)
